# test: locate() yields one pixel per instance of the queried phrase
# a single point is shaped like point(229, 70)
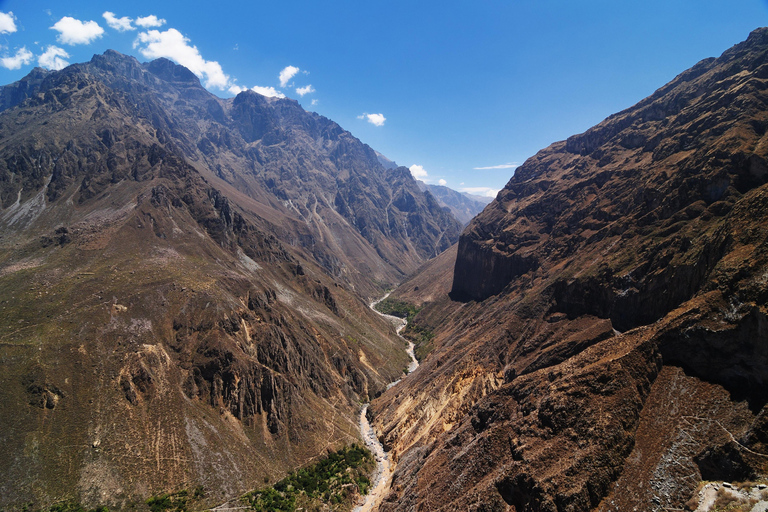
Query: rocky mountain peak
point(15, 93)
point(172, 72)
point(118, 64)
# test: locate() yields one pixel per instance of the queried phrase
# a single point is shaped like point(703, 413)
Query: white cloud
point(286, 74)
point(374, 119)
point(171, 44)
point(120, 24)
point(480, 191)
point(510, 165)
point(53, 58)
point(315, 102)
point(72, 31)
point(22, 58)
point(7, 23)
point(442, 182)
point(150, 21)
point(418, 172)
point(269, 92)
point(301, 91)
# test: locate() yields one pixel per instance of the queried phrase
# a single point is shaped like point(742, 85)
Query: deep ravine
point(382, 477)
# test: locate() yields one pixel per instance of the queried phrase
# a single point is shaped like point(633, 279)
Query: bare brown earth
point(604, 345)
point(184, 284)
point(429, 282)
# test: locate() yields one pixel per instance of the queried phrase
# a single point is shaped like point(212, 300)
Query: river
point(382, 477)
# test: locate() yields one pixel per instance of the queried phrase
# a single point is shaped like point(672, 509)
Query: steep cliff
point(605, 343)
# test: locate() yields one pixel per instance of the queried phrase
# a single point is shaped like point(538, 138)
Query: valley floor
point(383, 476)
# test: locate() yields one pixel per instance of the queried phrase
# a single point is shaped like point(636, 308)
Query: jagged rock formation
point(605, 346)
point(183, 283)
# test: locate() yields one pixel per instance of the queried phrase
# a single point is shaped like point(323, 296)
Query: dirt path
point(382, 478)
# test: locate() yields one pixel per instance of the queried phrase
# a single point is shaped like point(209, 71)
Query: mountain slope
point(309, 181)
point(184, 284)
point(604, 343)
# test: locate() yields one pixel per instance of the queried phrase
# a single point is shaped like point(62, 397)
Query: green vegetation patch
point(73, 506)
point(177, 501)
point(398, 308)
point(422, 339)
point(332, 482)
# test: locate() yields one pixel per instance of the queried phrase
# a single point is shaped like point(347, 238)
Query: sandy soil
point(756, 495)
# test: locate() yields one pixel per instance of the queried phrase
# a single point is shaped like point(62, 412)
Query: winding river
point(382, 477)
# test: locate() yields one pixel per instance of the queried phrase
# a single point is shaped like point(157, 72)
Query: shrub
point(323, 482)
point(398, 308)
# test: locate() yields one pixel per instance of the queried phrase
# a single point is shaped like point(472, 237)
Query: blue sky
point(460, 91)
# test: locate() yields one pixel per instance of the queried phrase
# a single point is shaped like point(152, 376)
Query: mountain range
point(185, 283)
point(462, 205)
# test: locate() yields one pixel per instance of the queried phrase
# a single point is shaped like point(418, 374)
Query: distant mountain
point(184, 284)
point(386, 162)
point(480, 199)
point(463, 206)
point(603, 346)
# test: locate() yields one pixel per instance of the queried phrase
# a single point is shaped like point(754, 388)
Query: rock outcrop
point(605, 344)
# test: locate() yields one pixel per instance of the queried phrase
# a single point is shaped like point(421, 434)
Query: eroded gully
point(382, 477)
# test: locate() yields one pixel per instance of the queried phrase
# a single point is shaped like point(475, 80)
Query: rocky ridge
point(604, 345)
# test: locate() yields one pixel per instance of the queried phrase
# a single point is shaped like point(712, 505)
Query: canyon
point(382, 477)
point(186, 285)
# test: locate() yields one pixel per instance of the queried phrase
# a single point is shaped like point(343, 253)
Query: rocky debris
point(717, 495)
point(44, 396)
point(118, 308)
point(60, 237)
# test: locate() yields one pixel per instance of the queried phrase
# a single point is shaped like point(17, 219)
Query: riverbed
point(382, 477)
